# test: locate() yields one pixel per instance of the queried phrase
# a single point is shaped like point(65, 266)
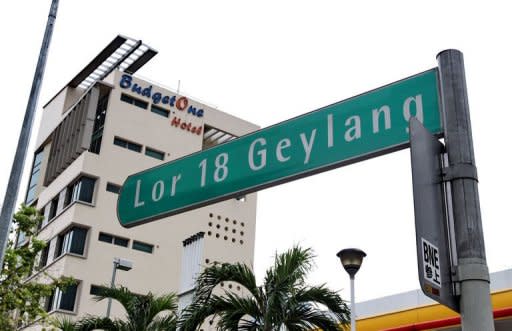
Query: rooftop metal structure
point(213, 136)
point(126, 54)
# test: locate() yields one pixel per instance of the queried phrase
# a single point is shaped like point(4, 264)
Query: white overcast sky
point(267, 61)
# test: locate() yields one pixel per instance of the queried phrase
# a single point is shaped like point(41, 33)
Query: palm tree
point(283, 302)
point(142, 312)
point(64, 324)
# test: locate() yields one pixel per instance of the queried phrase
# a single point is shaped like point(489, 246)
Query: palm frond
point(90, 323)
point(324, 296)
point(147, 307)
point(213, 276)
point(289, 270)
point(195, 314)
point(286, 276)
point(120, 294)
point(141, 312)
point(236, 312)
point(163, 323)
point(64, 324)
point(162, 303)
point(307, 317)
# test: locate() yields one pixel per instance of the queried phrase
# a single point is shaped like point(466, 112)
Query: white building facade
point(103, 126)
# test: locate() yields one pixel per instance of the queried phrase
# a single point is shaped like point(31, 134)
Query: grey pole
point(352, 304)
point(11, 192)
point(471, 270)
point(112, 284)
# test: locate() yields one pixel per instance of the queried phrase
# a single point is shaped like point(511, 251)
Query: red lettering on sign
point(176, 121)
point(182, 103)
point(186, 126)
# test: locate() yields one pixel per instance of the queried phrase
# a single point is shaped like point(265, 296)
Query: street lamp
point(120, 264)
point(351, 259)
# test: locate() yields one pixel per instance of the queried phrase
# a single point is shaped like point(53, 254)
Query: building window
point(62, 299)
point(40, 224)
point(132, 101)
point(113, 188)
point(121, 241)
point(111, 239)
point(34, 178)
point(140, 246)
point(53, 208)
point(71, 241)
point(96, 142)
point(21, 239)
point(44, 255)
point(96, 290)
point(160, 111)
point(99, 123)
point(127, 144)
point(154, 153)
point(126, 98)
point(105, 237)
point(48, 302)
point(82, 189)
point(46, 217)
point(69, 195)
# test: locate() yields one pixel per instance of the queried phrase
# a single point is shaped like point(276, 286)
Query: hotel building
point(104, 125)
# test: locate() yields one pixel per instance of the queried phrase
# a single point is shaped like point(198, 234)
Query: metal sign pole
point(471, 270)
point(11, 192)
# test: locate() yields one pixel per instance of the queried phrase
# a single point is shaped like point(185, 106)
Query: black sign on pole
point(434, 264)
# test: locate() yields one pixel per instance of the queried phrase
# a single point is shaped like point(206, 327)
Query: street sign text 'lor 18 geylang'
point(364, 126)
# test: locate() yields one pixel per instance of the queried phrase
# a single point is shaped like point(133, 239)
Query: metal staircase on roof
point(126, 54)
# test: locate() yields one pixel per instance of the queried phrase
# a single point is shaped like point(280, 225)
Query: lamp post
point(120, 264)
point(351, 259)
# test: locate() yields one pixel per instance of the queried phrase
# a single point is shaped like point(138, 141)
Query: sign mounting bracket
point(459, 171)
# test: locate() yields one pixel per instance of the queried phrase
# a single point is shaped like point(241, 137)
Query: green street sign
point(364, 126)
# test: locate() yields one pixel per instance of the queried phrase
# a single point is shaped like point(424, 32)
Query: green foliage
point(64, 324)
point(283, 302)
point(142, 312)
point(20, 300)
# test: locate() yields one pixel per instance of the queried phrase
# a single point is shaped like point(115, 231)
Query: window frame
point(126, 144)
point(134, 101)
point(114, 240)
point(160, 111)
point(75, 190)
point(113, 188)
point(154, 153)
point(54, 203)
point(55, 300)
point(117, 241)
point(35, 175)
point(45, 255)
point(142, 244)
point(99, 122)
point(65, 242)
point(96, 289)
point(105, 235)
